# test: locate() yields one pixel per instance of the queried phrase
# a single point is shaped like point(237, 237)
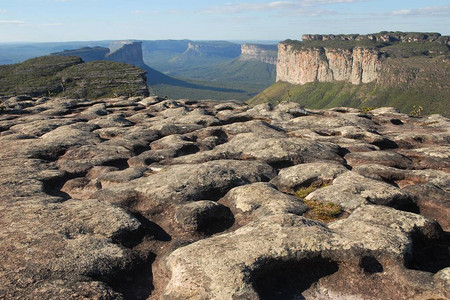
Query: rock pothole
point(274, 280)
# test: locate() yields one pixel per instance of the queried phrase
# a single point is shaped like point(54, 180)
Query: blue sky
point(81, 20)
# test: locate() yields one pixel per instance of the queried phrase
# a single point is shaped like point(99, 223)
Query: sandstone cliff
point(355, 58)
point(219, 48)
point(358, 65)
point(129, 53)
point(263, 53)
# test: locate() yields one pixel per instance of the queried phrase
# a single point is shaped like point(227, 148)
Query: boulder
point(289, 180)
point(350, 191)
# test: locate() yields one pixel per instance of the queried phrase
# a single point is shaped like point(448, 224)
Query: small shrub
point(305, 191)
point(366, 109)
point(429, 123)
point(416, 111)
point(322, 211)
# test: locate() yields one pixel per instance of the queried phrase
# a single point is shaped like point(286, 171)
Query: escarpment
point(403, 70)
point(213, 48)
point(355, 58)
point(357, 65)
point(263, 53)
point(130, 53)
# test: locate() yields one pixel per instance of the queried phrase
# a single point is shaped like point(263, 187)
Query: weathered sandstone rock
point(136, 198)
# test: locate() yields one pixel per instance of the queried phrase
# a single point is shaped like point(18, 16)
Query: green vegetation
point(333, 94)
point(100, 79)
point(36, 76)
point(69, 76)
point(322, 211)
point(416, 111)
point(334, 44)
point(404, 82)
point(366, 109)
point(230, 79)
point(209, 90)
point(305, 191)
point(415, 49)
point(236, 71)
point(429, 123)
point(419, 43)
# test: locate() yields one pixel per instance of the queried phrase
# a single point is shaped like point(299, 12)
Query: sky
point(88, 20)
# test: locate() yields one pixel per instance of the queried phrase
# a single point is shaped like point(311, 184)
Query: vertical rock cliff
point(263, 53)
point(353, 58)
point(130, 53)
point(300, 66)
point(213, 48)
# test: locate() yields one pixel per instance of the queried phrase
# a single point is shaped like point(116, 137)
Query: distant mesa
point(219, 48)
point(129, 53)
point(264, 53)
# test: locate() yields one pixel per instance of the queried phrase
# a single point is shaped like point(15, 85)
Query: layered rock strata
point(263, 53)
point(357, 65)
point(135, 198)
point(379, 57)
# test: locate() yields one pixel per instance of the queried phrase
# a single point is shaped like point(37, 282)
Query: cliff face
point(263, 53)
point(358, 65)
point(225, 49)
point(130, 53)
point(359, 58)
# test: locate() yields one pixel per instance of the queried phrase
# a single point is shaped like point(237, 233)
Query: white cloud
point(299, 5)
point(2, 11)
point(12, 22)
point(424, 11)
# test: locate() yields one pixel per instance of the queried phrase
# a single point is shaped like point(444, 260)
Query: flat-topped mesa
point(356, 65)
point(128, 52)
point(263, 53)
point(357, 58)
point(215, 48)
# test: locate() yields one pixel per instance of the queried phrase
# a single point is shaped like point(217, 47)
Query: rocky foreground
point(144, 197)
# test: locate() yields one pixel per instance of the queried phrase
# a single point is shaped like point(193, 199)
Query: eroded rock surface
point(136, 198)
